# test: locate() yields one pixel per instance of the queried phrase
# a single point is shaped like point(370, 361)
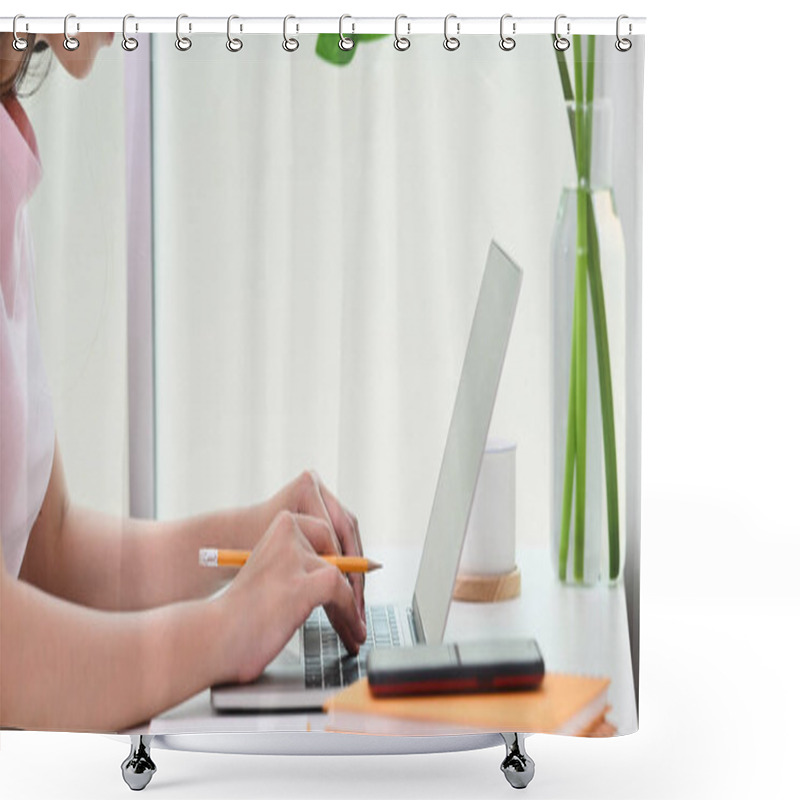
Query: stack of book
point(573, 705)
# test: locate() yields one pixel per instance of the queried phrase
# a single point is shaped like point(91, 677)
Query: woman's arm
point(121, 564)
point(66, 667)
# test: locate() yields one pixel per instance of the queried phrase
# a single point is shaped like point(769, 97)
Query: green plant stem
point(601, 338)
point(580, 316)
point(603, 353)
point(589, 108)
point(569, 459)
point(606, 396)
point(569, 466)
point(581, 331)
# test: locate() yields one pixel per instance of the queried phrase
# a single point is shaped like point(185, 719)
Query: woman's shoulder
point(15, 115)
point(19, 152)
point(20, 169)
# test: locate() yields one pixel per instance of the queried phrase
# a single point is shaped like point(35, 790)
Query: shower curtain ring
point(451, 42)
point(559, 42)
point(289, 44)
point(623, 45)
point(345, 42)
point(183, 43)
point(233, 45)
point(70, 42)
point(401, 42)
point(507, 42)
point(19, 44)
point(129, 43)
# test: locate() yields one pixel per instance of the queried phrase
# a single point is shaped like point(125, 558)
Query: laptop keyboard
point(327, 662)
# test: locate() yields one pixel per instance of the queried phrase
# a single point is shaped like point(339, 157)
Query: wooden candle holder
point(488, 588)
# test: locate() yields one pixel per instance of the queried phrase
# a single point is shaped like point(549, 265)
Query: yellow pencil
point(213, 557)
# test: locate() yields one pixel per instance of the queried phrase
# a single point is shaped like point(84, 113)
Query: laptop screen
point(466, 440)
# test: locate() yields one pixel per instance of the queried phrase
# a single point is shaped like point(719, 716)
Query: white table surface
point(579, 630)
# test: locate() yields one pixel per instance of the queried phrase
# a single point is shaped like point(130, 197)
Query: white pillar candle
point(490, 543)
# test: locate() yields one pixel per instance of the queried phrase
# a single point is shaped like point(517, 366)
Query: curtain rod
point(462, 26)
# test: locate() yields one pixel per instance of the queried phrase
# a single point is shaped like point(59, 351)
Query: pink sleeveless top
point(27, 430)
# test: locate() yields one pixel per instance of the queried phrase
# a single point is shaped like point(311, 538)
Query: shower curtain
point(258, 264)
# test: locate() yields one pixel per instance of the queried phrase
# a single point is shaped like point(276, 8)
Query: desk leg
point(138, 768)
point(517, 766)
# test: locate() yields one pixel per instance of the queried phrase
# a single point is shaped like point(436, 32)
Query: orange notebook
point(566, 704)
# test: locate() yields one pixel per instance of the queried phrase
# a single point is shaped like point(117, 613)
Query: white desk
point(579, 630)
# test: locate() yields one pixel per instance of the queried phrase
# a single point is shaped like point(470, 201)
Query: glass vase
point(588, 367)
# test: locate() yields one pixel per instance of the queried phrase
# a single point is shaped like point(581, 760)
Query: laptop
point(304, 681)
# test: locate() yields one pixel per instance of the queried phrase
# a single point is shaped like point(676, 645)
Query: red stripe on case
point(456, 685)
point(530, 681)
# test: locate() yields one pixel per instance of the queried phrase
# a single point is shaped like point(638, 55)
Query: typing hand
point(307, 495)
point(283, 580)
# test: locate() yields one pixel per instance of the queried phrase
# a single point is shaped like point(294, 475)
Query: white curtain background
point(320, 237)
point(78, 223)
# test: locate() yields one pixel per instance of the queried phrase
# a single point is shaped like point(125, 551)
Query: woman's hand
point(307, 495)
point(283, 580)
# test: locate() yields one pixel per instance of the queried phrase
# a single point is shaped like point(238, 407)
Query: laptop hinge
point(415, 623)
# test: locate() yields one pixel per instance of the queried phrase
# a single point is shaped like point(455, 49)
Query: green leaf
point(328, 49)
point(328, 46)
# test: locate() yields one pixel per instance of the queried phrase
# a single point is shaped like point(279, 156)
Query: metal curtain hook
point(70, 42)
point(451, 42)
point(128, 42)
point(559, 42)
point(345, 42)
point(289, 44)
point(507, 42)
point(623, 45)
point(183, 43)
point(401, 42)
point(233, 45)
point(19, 44)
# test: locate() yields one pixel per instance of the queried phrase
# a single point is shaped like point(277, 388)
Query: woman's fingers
point(344, 607)
point(346, 527)
point(319, 533)
point(273, 593)
point(322, 538)
point(343, 522)
point(354, 522)
point(330, 589)
point(358, 581)
point(311, 502)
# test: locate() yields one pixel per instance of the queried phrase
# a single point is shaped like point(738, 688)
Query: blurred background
point(316, 240)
